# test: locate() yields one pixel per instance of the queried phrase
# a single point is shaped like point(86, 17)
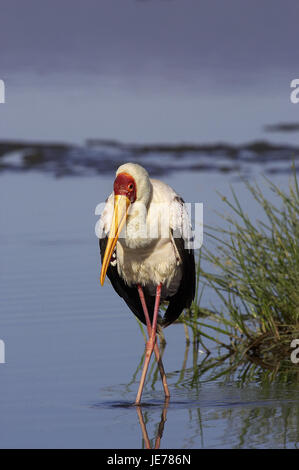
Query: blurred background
point(147, 70)
point(199, 93)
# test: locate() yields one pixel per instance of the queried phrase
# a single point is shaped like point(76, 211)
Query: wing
point(182, 238)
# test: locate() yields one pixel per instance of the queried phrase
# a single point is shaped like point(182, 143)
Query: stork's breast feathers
point(150, 265)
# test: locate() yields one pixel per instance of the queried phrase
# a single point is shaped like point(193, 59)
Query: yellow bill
point(121, 207)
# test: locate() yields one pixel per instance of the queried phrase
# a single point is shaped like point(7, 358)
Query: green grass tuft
point(253, 268)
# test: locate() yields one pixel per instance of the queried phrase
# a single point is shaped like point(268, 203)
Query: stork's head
point(132, 184)
point(132, 181)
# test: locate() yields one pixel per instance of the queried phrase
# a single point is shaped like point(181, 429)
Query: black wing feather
point(186, 292)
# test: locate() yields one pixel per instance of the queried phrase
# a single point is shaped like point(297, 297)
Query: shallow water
point(74, 350)
point(154, 72)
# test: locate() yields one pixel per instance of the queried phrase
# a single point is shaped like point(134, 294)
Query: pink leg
point(149, 345)
point(156, 348)
point(145, 311)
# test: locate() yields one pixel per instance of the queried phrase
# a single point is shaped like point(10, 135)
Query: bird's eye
point(130, 186)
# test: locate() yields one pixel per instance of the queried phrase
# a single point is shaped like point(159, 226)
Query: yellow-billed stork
point(146, 252)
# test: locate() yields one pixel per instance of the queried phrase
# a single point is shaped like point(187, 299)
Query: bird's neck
point(137, 231)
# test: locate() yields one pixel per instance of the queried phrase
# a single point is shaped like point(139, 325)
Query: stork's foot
point(149, 347)
point(151, 344)
point(162, 371)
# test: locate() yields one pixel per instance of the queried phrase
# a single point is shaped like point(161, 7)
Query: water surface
point(73, 350)
point(199, 93)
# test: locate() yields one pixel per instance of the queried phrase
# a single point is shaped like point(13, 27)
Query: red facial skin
point(124, 185)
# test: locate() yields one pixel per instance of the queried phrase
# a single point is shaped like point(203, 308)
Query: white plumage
point(146, 253)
